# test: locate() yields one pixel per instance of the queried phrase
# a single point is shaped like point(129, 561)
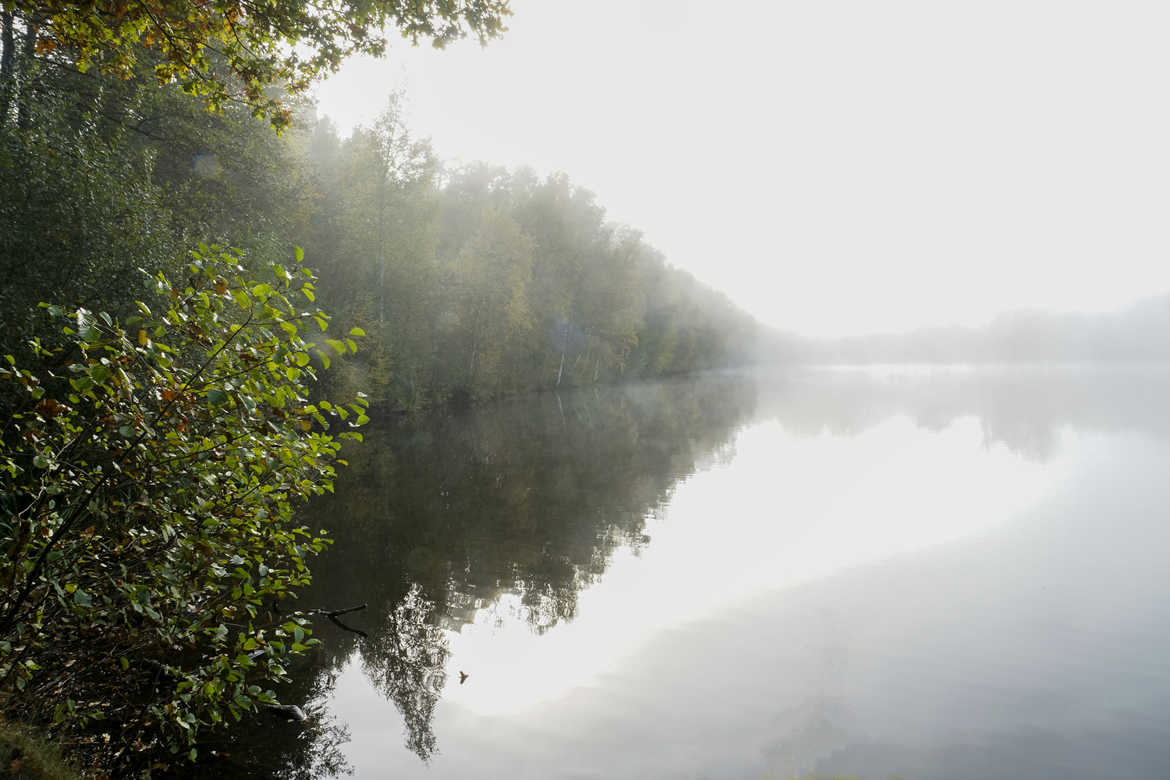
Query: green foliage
point(226, 175)
point(372, 235)
point(230, 50)
point(150, 479)
point(77, 221)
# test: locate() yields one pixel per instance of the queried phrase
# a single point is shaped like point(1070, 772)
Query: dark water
point(924, 574)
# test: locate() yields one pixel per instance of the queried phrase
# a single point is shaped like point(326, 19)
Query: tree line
point(480, 282)
point(472, 282)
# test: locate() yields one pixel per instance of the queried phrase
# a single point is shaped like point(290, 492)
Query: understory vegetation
point(169, 375)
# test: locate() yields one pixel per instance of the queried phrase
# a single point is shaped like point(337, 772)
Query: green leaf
point(299, 253)
point(356, 332)
point(203, 437)
point(338, 346)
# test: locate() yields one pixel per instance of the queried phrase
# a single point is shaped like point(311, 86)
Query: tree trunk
point(6, 55)
point(471, 365)
point(564, 346)
point(27, 61)
point(382, 251)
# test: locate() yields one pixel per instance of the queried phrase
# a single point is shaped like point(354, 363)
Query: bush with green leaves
point(147, 506)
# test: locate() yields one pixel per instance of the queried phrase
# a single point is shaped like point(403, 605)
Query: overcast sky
point(835, 167)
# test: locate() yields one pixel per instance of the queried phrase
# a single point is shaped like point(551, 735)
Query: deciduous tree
point(236, 49)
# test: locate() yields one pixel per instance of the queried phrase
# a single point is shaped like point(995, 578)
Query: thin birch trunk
point(564, 346)
point(27, 61)
point(382, 252)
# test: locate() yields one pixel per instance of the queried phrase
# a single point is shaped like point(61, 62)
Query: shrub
point(147, 531)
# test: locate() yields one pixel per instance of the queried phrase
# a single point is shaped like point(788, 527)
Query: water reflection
point(457, 530)
point(435, 521)
point(405, 663)
point(1020, 407)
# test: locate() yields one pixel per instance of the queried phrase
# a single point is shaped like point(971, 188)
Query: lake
point(874, 573)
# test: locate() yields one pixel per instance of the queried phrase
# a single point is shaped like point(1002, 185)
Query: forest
point(195, 266)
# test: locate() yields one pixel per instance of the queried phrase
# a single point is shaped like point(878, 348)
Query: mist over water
point(872, 573)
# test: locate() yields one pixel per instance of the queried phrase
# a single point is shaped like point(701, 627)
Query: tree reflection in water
point(405, 661)
point(438, 519)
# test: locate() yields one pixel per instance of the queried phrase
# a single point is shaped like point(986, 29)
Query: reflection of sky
point(903, 599)
point(786, 510)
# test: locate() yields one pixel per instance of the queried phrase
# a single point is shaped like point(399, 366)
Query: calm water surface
point(914, 573)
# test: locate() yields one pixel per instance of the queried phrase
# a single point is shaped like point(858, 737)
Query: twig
point(333, 614)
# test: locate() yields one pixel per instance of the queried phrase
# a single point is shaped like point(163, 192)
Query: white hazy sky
point(836, 167)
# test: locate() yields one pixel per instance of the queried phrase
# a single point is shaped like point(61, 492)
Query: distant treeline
point(1138, 334)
